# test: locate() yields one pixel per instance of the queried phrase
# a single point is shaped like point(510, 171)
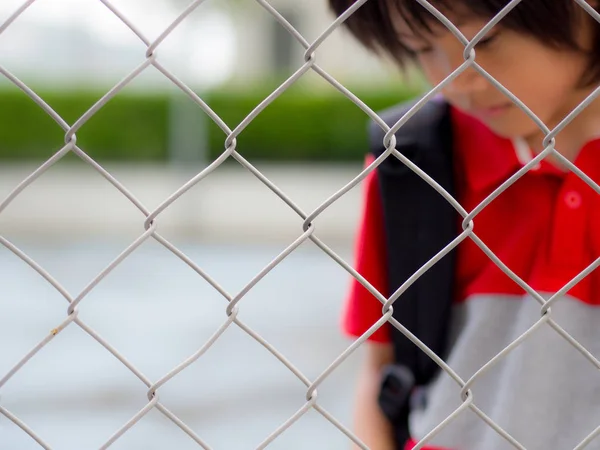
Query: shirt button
point(573, 199)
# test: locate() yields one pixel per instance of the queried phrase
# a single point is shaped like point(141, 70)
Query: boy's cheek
point(434, 76)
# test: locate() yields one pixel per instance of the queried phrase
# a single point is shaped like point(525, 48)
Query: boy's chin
point(503, 130)
point(511, 131)
point(507, 128)
point(508, 123)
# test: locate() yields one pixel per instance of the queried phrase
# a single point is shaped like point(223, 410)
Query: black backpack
point(419, 223)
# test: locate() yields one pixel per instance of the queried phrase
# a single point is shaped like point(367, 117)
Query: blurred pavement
point(231, 204)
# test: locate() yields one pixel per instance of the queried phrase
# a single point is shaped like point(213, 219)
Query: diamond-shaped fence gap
point(315, 281)
point(50, 208)
point(138, 309)
point(154, 426)
point(308, 340)
point(309, 185)
point(84, 36)
point(236, 384)
point(83, 385)
point(228, 197)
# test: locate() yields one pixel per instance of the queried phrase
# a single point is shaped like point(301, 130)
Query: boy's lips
point(489, 112)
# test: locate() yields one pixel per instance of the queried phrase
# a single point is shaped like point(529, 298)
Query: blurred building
point(265, 46)
point(69, 42)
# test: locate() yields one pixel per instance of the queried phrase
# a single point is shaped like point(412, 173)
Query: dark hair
point(553, 22)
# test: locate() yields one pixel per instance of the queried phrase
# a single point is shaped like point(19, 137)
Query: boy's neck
point(584, 128)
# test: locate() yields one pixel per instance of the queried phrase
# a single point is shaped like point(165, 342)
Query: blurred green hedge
point(298, 126)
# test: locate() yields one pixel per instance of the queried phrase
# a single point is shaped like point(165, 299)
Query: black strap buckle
point(397, 384)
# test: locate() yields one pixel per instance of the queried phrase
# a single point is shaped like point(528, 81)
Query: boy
point(545, 227)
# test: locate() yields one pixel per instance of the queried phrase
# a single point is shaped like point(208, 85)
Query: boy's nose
point(468, 82)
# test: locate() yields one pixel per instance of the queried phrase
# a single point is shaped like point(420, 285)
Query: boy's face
point(543, 78)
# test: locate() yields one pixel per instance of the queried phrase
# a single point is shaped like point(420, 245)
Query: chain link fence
point(308, 230)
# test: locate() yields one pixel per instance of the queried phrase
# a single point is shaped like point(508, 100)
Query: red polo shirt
point(545, 227)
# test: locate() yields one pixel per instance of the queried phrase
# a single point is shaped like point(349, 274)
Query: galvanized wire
point(150, 219)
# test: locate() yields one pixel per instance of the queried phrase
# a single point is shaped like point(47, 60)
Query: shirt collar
point(485, 159)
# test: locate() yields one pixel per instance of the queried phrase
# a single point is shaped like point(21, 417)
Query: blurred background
point(153, 308)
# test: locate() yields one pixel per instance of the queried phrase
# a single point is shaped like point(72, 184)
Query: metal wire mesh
point(308, 232)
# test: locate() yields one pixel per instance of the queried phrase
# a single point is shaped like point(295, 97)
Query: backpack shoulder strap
point(419, 222)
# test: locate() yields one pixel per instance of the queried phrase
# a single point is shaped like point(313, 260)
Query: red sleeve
point(362, 309)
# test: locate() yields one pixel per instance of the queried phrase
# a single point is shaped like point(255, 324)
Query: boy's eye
point(487, 40)
point(427, 48)
point(422, 51)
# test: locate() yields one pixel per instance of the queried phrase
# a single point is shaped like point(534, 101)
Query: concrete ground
point(231, 204)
